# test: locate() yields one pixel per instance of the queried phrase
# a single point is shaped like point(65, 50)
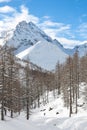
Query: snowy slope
point(44, 54)
point(44, 119)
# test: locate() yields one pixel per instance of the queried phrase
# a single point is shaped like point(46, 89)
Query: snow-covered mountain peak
point(32, 42)
point(33, 26)
point(25, 25)
point(21, 24)
point(26, 35)
point(42, 34)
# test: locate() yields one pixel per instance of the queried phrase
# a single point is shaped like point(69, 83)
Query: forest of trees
point(69, 76)
point(22, 84)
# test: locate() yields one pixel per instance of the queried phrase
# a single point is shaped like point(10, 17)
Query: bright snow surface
point(44, 54)
point(43, 119)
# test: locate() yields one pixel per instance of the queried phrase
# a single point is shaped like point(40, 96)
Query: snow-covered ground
point(53, 116)
point(40, 122)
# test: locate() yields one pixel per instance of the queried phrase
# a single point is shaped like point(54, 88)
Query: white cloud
point(4, 1)
point(62, 32)
point(49, 23)
point(6, 9)
point(10, 22)
point(55, 29)
point(69, 43)
point(82, 30)
point(46, 17)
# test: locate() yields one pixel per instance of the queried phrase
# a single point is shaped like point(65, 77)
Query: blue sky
point(65, 20)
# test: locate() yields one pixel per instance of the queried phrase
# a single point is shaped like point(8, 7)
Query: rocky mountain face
point(26, 35)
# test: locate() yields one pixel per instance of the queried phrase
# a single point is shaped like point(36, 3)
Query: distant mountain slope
point(82, 49)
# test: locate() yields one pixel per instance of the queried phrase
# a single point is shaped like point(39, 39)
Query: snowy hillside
point(44, 54)
point(53, 116)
